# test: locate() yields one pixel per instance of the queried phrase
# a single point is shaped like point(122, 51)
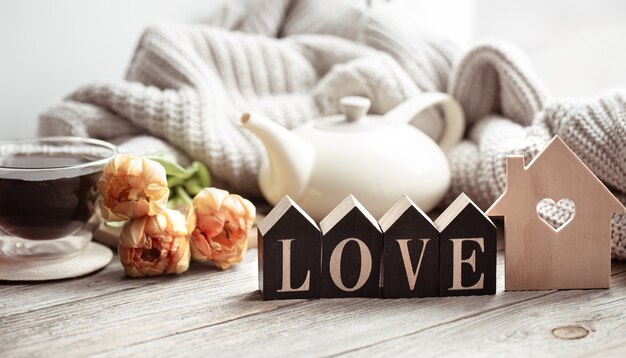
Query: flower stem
point(182, 194)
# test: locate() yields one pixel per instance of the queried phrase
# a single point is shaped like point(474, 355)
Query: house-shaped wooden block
point(467, 250)
point(289, 250)
point(410, 252)
point(577, 255)
point(352, 245)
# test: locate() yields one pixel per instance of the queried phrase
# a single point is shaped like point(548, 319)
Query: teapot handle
point(454, 119)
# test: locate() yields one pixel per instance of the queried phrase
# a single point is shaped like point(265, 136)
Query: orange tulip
point(132, 187)
point(219, 224)
point(155, 245)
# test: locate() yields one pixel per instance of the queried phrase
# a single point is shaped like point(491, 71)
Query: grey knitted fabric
point(292, 60)
point(511, 115)
point(189, 84)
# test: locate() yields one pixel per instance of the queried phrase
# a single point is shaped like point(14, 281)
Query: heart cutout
point(556, 214)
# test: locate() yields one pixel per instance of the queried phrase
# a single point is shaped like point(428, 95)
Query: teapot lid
point(354, 117)
point(354, 107)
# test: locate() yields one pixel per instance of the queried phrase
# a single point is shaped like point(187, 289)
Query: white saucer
point(95, 257)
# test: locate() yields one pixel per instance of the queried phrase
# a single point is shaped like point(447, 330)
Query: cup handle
point(454, 119)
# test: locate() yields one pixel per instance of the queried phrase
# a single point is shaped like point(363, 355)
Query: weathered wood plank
point(338, 323)
point(38, 295)
point(325, 326)
point(612, 349)
point(134, 314)
point(562, 323)
point(24, 297)
point(216, 311)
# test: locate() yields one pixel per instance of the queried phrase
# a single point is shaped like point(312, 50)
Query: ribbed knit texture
point(293, 60)
point(595, 130)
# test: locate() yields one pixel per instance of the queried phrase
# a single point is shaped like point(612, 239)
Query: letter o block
point(351, 252)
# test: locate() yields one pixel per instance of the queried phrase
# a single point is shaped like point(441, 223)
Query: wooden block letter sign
point(467, 250)
point(352, 245)
point(410, 253)
point(289, 253)
point(538, 256)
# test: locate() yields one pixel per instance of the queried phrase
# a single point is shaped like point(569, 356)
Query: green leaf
point(172, 168)
point(182, 194)
point(184, 183)
point(193, 187)
point(175, 181)
point(202, 173)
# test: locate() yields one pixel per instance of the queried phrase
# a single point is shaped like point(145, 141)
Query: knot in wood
point(570, 332)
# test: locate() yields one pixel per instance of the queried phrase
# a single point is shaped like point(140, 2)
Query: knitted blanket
point(292, 60)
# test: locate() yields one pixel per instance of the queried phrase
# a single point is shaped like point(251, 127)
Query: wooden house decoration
point(289, 249)
point(410, 252)
point(352, 245)
point(537, 256)
point(467, 250)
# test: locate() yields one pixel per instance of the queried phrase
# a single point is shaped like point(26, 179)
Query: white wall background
point(577, 47)
point(50, 47)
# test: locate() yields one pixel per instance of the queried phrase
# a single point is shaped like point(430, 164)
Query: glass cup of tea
point(48, 192)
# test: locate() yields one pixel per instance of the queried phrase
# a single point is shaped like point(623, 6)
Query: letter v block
point(410, 253)
point(289, 250)
point(467, 250)
point(352, 245)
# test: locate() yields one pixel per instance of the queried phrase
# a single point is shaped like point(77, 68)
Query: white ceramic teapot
point(375, 158)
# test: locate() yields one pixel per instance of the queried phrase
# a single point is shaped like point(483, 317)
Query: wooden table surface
point(206, 312)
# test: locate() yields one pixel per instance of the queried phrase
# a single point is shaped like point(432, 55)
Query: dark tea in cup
point(48, 193)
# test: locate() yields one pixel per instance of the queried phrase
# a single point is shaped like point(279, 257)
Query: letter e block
point(467, 250)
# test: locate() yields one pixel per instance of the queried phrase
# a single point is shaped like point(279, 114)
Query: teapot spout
point(290, 159)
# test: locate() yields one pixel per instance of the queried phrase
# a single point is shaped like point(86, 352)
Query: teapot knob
point(354, 107)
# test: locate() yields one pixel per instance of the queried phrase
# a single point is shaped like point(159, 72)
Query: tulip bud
point(219, 223)
point(132, 187)
point(155, 245)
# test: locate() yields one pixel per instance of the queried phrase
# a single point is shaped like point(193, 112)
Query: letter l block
point(289, 250)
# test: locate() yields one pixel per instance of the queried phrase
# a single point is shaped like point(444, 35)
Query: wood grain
point(576, 255)
point(207, 311)
point(527, 326)
point(340, 323)
point(161, 306)
point(26, 297)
